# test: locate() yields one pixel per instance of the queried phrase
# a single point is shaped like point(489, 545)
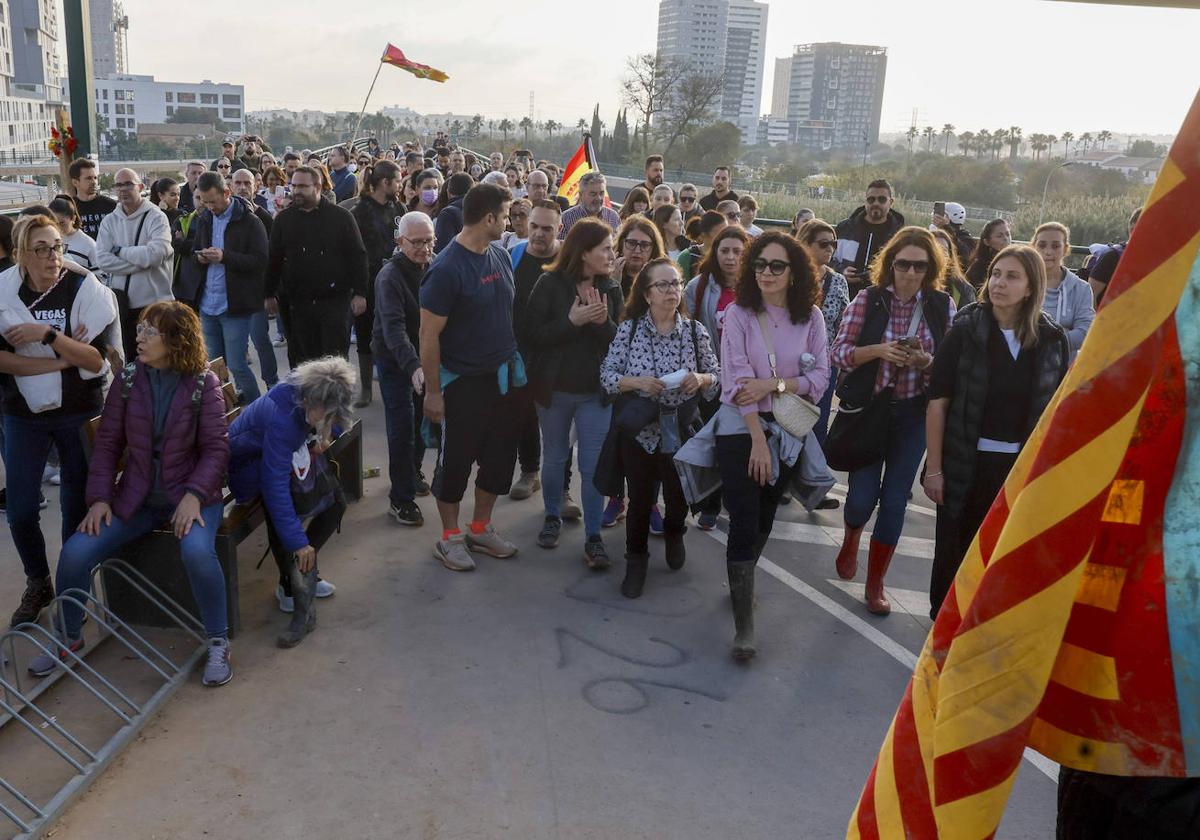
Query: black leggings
point(751, 507)
point(320, 528)
point(643, 472)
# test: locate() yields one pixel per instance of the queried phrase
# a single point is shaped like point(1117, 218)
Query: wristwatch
point(50, 336)
point(780, 386)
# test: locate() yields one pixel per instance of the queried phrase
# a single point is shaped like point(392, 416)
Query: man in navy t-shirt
point(467, 333)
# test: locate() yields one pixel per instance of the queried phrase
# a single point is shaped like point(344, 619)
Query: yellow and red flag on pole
point(1073, 626)
point(581, 163)
point(394, 56)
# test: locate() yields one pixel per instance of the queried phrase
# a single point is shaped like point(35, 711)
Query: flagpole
point(354, 136)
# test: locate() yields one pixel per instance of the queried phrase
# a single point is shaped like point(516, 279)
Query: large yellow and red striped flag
point(394, 56)
point(581, 163)
point(1073, 626)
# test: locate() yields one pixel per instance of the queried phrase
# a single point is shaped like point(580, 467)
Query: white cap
point(956, 213)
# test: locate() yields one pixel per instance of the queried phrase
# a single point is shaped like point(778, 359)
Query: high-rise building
point(781, 87)
point(722, 37)
point(835, 94)
point(104, 38)
point(31, 84)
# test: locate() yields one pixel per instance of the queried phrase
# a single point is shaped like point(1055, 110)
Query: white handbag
point(795, 414)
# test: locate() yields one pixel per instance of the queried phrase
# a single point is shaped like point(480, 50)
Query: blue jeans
point(396, 390)
point(260, 334)
point(902, 458)
point(229, 336)
point(27, 443)
point(591, 421)
point(83, 552)
point(821, 430)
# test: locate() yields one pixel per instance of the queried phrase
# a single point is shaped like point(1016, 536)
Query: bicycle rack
point(19, 708)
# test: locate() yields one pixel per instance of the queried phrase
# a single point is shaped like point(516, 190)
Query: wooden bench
point(156, 555)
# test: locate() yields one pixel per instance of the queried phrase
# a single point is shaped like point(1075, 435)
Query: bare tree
point(647, 87)
point(690, 105)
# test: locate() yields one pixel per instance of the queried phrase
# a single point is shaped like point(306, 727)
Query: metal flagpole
point(354, 136)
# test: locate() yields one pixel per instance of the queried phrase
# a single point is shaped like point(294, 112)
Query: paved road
point(530, 700)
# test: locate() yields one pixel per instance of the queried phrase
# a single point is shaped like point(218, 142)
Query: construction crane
point(121, 30)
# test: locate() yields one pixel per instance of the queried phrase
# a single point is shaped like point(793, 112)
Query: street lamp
point(1046, 188)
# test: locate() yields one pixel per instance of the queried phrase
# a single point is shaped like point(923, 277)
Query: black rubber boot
point(39, 592)
point(304, 615)
point(635, 574)
point(741, 592)
point(675, 550)
point(366, 378)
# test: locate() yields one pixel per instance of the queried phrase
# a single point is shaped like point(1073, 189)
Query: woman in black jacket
point(570, 321)
point(996, 372)
point(376, 213)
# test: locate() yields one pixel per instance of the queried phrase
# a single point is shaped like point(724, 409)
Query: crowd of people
point(677, 356)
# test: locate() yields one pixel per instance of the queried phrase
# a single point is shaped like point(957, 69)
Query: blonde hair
point(25, 228)
point(1058, 226)
point(1026, 328)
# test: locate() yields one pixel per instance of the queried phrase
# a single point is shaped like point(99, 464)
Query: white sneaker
point(286, 604)
point(325, 588)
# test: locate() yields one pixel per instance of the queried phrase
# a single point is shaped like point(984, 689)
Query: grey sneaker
point(548, 537)
point(454, 554)
point(569, 509)
point(525, 486)
point(489, 542)
point(595, 554)
point(217, 670)
point(43, 665)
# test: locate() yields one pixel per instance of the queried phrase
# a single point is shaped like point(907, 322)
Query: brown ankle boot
point(878, 559)
point(847, 559)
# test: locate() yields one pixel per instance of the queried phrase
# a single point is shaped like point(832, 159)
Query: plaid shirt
point(908, 381)
point(607, 214)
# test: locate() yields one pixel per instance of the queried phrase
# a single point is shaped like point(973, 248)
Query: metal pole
point(354, 136)
point(77, 24)
point(1046, 189)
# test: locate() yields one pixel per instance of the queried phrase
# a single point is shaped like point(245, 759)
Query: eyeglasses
point(825, 243)
point(906, 266)
point(44, 251)
point(147, 331)
point(733, 217)
point(422, 243)
point(125, 185)
point(666, 286)
point(774, 267)
point(687, 199)
point(878, 199)
point(638, 244)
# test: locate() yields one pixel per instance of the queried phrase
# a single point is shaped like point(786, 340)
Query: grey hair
point(590, 178)
point(539, 172)
point(326, 383)
point(408, 221)
point(687, 187)
point(194, 162)
point(497, 178)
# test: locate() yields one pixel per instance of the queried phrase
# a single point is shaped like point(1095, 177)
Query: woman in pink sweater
point(777, 291)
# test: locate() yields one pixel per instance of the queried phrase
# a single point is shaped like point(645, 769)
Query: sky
point(1043, 65)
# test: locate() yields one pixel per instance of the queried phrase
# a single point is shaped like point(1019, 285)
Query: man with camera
point(867, 230)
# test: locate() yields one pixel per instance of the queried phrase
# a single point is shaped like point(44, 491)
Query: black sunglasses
point(774, 267)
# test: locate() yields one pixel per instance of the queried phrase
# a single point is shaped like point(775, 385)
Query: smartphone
point(911, 342)
point(939, 208)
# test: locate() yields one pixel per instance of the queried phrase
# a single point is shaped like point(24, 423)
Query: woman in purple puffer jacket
point(166, 414)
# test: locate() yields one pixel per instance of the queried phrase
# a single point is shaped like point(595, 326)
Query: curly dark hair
point(180, 330)
point(881, 266)
point(804, 287)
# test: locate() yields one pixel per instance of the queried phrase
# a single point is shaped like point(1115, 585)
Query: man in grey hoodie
point(134, 248)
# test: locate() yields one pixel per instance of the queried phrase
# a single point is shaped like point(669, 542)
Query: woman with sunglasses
point(777, 292)
point(224, 167)
point(820, 240)
point(887, 341)
point(657, 339)
point(54, 319)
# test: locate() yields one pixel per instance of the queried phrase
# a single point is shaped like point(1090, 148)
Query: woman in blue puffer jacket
point(274, 436)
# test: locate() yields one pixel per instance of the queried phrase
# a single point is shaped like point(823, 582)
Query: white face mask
point(352, 167)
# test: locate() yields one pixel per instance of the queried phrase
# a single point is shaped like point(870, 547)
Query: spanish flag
point(395, 56)
point(581, 163)
point(1073, 627)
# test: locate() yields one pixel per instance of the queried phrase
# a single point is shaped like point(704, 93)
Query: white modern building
point(125, 101)
point(722, 37)
point(31, 84)
point(835, 94)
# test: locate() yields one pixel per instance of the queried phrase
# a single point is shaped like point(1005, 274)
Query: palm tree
point(1102, 138)
point(999, 141)
point(1038, 143)
point(551, 127)
point(928, 134)
point(526, 124)
point(1014, 141)
point(582, 125)
point(476, 125)
point(983, 142)
point(966, 142)
point(947, 133)
point(505, 126)
point(1067, 137)
point(1050, 141)
point(911, 134)
point(456, 129)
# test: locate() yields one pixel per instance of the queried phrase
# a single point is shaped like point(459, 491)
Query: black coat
point(245, 259)
point(396, 335)
point(965, 415)
point(316, 255)
point(547, 332)
point(376, 222)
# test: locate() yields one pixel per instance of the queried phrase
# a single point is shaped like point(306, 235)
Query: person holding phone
point(861, 236)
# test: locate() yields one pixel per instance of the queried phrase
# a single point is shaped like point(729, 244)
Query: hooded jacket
point(853, 233)
point(140, 263)
point(1073, 307)
point(194, 449)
